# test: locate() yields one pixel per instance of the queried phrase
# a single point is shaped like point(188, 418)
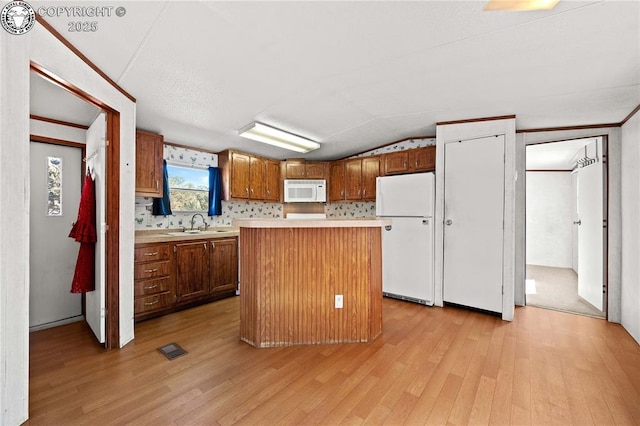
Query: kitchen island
point(294, 274)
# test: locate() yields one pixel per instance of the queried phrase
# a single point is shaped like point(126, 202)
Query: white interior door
point(473, 222)
point(95, 300)
point(55, 180)
point(590, 235)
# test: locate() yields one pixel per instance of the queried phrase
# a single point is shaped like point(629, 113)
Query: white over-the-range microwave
point(305, 191)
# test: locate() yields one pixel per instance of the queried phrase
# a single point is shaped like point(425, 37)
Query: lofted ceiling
point(357, 75)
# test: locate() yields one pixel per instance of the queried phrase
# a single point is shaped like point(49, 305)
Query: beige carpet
point(556, 288)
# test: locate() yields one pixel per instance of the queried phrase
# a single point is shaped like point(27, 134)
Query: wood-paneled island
point(291, 272)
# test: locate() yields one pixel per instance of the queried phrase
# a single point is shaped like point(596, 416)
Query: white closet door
point(473, 222)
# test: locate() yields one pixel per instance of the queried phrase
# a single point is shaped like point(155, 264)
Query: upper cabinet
point(149, 148)
point(359, 180)
point(300, 169)
point(410, 161)
point(248, 177)
point(336, 181)
point(272, 181)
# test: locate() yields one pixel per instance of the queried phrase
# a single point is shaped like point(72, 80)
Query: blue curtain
point(162, 206)
point(215, 191)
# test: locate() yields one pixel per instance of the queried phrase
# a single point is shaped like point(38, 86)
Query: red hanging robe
point(84, 232)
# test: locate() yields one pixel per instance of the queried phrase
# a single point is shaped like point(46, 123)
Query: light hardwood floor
point(430, 366)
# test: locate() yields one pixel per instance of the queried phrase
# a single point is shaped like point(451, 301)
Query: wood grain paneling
point(289, 278)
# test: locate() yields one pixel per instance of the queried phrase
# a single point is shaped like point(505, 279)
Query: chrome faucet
point(193, 221)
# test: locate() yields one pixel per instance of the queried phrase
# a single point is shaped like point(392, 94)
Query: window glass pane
point(54, 186)
point(190, 201)
point(188, 188)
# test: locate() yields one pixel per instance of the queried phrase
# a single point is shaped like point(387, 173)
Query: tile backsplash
point(250, 209)
point(230, 211)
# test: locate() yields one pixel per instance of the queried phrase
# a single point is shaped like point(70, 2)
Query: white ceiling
point(357, 75)
point(557, 155)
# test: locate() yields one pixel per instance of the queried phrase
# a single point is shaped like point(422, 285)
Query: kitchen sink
point(188, 232)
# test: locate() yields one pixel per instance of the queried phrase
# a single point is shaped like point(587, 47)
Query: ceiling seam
point(142, 44)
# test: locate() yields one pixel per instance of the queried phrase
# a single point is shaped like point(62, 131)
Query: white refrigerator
point(407, 244)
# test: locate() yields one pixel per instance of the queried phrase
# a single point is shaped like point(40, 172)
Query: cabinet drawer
point(149, 287)
point(151, 270)
point(152, 303)
point(148, 253)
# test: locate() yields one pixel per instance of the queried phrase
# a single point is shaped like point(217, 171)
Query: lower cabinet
point(223, 265)
point(176, 275)
point(154, 287)
point(192, 270)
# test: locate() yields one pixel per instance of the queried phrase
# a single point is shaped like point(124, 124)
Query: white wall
point(549, 219)
point(630, 289)
point(15, 53)
point(57, 131)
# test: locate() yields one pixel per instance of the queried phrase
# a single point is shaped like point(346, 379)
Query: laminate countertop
point(312, 223)
point(170, 235)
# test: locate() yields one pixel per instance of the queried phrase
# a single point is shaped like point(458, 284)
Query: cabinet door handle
point(151, 303)
point(157, 184)
point(204, 245)
point(213, 245)
point(151, 287)
point(151, 254)
point(151, 270)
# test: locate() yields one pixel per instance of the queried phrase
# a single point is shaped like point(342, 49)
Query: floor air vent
point(172, 351)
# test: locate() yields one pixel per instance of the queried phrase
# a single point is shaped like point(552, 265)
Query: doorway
point(566, 226)
point(101, 307)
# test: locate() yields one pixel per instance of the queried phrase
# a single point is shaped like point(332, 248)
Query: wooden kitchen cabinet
point(315, 170)
point(272, 181)
point(410, 161)
point(154, 285)
point(149, 176)
point(192, 270)
point(177, 275)
point(360, 178)
point(336, 181)
point(223, 265)
point(257, 178)
point(297, 169)
point(248, 177)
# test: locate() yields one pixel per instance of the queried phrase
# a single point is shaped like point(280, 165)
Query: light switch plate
point(339, 301)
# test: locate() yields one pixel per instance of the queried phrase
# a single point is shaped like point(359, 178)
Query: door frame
point(112, 182)
point(605, 211)
point(473, 129)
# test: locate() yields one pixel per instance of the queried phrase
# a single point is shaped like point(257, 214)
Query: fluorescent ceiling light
point(520, 5)
point(267, 134)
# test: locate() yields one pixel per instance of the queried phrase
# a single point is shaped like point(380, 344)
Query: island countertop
point(312, 223)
